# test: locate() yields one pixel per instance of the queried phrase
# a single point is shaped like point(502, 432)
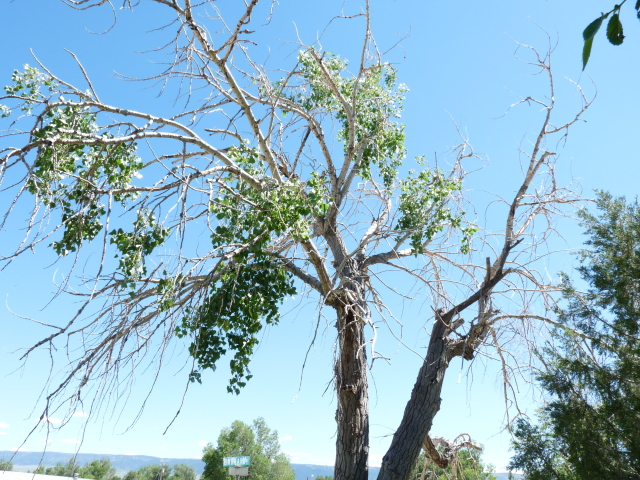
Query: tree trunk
point(352, 416)
point(420, 410)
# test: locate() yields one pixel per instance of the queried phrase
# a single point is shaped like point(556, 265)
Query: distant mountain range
point(24, 461)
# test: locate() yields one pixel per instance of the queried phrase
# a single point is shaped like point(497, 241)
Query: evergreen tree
point(538, 452)
point(591, 427)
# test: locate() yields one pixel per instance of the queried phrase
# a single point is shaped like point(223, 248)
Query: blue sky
point(458, 59)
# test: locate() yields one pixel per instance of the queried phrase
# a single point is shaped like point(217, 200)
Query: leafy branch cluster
point(424, 207)
point(615, 33)
point(27, 86)
point(135, 246)
point(68, 175)
point(252, 285)
point(372, 101)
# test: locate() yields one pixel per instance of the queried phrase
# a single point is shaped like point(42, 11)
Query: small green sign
point(236, 461)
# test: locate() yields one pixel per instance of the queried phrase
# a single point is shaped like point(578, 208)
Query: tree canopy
point(256, 441)
point(6, 465)
point(589, 428)
point(97, 469)
point(179, 471)
point(293, 181)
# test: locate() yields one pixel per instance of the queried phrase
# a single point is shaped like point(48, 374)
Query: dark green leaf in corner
point(614, 30)
point(586, 52)
point(588, 35)
point(593, 28)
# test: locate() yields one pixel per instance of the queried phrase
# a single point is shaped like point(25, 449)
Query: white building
point(32, 476)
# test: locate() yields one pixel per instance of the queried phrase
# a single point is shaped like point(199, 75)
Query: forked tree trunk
point(420, 410)
point(352, 416)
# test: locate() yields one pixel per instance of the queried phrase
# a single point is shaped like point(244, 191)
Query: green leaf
point(614, 30)
point(593, 28)
point(586, 52)
point(588, 35)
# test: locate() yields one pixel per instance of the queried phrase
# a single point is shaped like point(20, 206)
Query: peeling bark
point(352, 389)
point(352, 415)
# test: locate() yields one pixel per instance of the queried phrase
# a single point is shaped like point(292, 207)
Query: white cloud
point(4, 425)
point(46, 440)
point(286, 437)
point(162, 446)
point(79, 414)
point(3, 433)
point(203, 443)
point(375, 460)
point(131, 453)
point(15, 449)
point(69, 440)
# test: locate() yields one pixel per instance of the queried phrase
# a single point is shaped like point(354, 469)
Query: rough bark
point(352, 390)
point(421, 408)
point(352, 415)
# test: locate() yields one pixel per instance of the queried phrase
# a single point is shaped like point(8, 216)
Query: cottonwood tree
point(250, 167)
point(256, 441)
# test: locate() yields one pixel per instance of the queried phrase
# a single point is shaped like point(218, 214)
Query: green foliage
point(324, 477)
point(614, 30)
point(5, 465)
point(182, 471)
point(28, 85)
point(60, 469)
point(232, 316)
point(179, 471)
point(97, 469)
point(66, 175)
point(375, 102)
point(135, 246)
point(246, 213)
point(244, 290)
point(250, 287)
point(588, 35)
point(538, 453)
point(467, 466)
point(593, 376)
point(258, 442)
point(615, 33)
point(423, 205)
